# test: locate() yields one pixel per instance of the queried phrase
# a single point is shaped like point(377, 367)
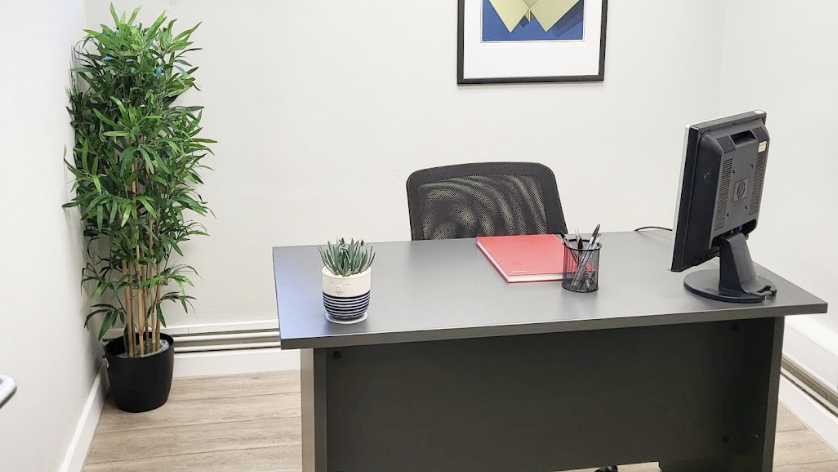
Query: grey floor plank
point(786, 421)
point(193, 439)
point(801, 447)
point(831, 466)
point(214, 410)
point(269, 459)
point(203, 388)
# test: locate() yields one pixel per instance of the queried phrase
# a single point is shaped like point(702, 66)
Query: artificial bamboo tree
point(136, 162)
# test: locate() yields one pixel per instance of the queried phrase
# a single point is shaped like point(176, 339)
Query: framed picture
point(520, 41)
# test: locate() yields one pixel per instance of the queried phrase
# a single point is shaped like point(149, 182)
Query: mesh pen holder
point(581, 267)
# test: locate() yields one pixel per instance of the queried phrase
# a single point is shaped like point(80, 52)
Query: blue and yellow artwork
point(533, 20)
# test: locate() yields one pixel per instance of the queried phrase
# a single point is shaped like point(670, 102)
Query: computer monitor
point(721, 191)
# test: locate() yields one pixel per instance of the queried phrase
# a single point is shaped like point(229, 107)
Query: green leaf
point(121, 106)
point(113, 15)
point(160, 316)
point(134, 15)
point(152, 30)
point(147, 159)
point(186, 34)
point(104, 118)
point(126, 215)
point(84, 149)
point(107, 324)
point(114, 209)
point(147, 205)
point(100, 289)
point(96, 183)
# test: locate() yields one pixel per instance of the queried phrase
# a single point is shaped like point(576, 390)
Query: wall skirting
point(809, 386)
point(814, 347)
point(83, 436)
point(810, 412)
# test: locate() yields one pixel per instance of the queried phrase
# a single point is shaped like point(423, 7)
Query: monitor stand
point(736, 280)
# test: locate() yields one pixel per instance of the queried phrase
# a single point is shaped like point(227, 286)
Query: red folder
point(531, 258)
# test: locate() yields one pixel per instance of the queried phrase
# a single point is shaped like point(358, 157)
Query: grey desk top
point(434, 290)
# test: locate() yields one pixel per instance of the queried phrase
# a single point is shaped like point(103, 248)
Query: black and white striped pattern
point(346, 308)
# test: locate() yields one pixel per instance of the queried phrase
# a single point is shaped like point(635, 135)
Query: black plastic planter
point(140, 383)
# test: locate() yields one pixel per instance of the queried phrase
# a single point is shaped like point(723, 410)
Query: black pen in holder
point(581, 266)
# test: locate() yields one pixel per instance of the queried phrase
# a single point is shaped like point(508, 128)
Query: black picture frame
point(599, 77)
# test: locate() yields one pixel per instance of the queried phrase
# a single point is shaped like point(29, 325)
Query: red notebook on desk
point(531, 258)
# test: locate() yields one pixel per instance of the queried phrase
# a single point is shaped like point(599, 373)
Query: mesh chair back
point(484, 199)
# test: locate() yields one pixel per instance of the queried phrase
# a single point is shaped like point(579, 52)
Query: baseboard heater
point(814, 388)
point(226, 340)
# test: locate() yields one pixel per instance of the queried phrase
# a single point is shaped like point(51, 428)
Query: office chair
point(484, 199)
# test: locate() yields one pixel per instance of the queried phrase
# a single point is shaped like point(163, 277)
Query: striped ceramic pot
point(346, 298)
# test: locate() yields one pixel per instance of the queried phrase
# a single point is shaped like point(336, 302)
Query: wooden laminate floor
point(251, 423)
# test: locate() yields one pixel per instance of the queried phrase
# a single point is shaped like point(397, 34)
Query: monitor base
point(705, 283)
point(736, 280)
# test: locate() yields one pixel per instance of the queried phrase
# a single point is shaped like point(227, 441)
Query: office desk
point(456, 370)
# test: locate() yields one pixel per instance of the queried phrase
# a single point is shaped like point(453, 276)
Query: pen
point(594, 242)
point(594, 237)
point(569, 248)
point(582, 263)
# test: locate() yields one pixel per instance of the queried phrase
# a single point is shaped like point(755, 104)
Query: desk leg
point(313, 390)
point(765, 353)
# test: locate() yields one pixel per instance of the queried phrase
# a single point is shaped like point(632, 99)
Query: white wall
point(781, 58)
point(43, 344)
point(323, 109)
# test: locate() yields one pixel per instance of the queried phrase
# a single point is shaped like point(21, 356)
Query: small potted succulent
point(346, 280)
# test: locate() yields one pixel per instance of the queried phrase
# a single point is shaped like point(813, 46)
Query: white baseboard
point(86, 427)
point(202, 364)
point(814, 348)
point(816, 417)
